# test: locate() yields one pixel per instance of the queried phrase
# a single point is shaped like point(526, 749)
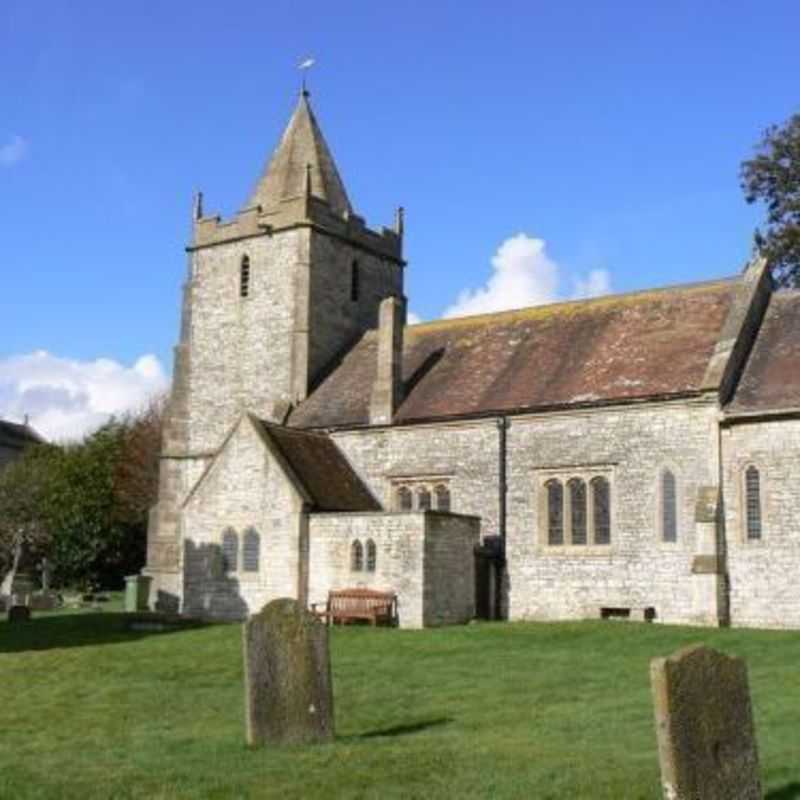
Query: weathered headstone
point(288, 688)
point(704, 723)
point(43, 601)
point(19, 614)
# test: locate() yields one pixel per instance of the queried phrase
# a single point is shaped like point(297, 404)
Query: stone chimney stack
point(387, 390)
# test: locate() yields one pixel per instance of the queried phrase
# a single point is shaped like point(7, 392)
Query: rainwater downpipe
point(502, 489)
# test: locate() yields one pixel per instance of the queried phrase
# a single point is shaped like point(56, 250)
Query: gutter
point(527, 411)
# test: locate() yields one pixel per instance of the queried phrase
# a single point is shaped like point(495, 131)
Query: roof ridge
point(563, 304)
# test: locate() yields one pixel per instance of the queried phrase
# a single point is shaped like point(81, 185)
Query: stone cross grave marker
point(704, 725)
point(288, 688)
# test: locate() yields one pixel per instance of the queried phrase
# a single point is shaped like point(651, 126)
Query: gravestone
point(43, 601)
point(19, 614)
point(704, 725)
point(288, 689)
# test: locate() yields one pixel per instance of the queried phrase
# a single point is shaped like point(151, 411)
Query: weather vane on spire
point(305, 66)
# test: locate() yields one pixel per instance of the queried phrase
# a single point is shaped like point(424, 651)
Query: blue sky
point(608, 134)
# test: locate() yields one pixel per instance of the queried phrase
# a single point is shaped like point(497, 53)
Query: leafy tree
point(81, 506)
point(773, 177)
point(84, 505)
point(136, 475)
point(25, 494)
point(135, 483)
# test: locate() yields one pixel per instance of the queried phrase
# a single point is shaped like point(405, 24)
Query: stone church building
point(633, 455)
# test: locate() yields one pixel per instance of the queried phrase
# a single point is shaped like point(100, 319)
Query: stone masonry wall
point(465, 454)
point(449, 591)
point(243, 489)
point(241, 354)
point(426, 558)
point(632, 446)
point(336, 321)
point(763, 573)
point(399, 540)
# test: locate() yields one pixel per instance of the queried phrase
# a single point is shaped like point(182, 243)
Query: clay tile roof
point(323, 470)
point(610, 349)
point(302, 143)
point(771, 377)
point(15, 435)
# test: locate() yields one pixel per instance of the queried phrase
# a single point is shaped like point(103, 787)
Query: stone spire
point(302, 146)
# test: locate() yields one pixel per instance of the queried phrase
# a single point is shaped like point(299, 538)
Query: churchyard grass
point(487, 710)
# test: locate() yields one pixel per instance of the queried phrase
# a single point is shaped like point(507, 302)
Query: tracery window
point(356, 556)
point(244, 277)
point(669, 507)
point(555, 512)
point(251, 550)
point(372, 555)
point(230, 550)
point(575, 510)
point(752, 489)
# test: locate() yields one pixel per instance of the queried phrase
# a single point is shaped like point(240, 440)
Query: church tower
point(272, 298)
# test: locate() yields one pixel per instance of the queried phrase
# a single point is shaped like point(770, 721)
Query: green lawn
point(492, 710)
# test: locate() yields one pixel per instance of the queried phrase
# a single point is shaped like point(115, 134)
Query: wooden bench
point(349, 605)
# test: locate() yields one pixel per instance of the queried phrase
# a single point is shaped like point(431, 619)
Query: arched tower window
point(423, 499)
point(230, 550)
point(251, 550)
point(372, 555)
point(577, 507)
point(356, 556)
point(405, 500)
point(355, 281)
point(244, 277)
point(669, 507)
point(752, 488)
point(601, 510)
point(442, 497)
point(555, 512)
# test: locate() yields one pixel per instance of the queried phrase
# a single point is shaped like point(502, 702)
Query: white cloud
point(412, 318)
point(523, 274)
point(596, 283)
point(13, 151)
point(66, 398)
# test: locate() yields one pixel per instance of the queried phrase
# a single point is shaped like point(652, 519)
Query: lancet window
point(356, 556)
point(752, 497)
point(669, 507)
point(244, 277)
point(251, 551)
point(230, 550)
